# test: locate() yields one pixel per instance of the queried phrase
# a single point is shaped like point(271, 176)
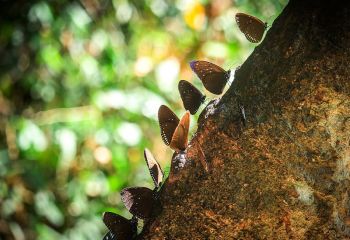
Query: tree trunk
point(285, 175)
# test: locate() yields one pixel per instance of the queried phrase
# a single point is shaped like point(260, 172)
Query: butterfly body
point(252, 27)
point(214, 78)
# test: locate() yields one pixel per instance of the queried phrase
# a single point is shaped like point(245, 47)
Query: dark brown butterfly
point(214, 78)
point(168, 122)
point(252, 27)
point(119, 227)
point(191, 97)
point(154, 168)
point(139, 201)
point(174, 132)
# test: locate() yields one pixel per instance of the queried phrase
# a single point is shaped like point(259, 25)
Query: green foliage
point(79, 97)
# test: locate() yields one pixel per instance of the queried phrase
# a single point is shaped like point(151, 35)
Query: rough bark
point(286, 174)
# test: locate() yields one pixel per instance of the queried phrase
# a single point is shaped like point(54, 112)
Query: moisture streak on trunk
point(286, 174)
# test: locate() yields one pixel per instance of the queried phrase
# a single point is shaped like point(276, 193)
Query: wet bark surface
point(286, 174)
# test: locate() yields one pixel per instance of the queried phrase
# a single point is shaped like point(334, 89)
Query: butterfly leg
point(201, 156)
point(241, 109)
point(243, 117)
point(203, 159)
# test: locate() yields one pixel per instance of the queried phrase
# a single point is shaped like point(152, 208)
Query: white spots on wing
point(165, 137)
point(127, 199)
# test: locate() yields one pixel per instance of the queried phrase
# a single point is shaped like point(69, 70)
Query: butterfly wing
point(154, 168)
point(119, 226)
point(191, 97)
point(179, 140)
point(252, 27)
point(139, 201)
point(109, 236)
point(168, 122)
point(214, 78)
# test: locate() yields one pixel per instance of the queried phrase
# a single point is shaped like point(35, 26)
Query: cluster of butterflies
point(140, 201)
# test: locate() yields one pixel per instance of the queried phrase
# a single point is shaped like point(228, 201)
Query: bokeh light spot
point(143, 66)
point(102, 155)
point(167, 73)
point(128, 133)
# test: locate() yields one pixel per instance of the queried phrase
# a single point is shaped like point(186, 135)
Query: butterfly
point(155, 170)
point(139, 201)
point(119, 227)
point(252, 27)
point(174, 131)
point(191, 97)
point(168, 122)
point(179, 140)
point(214, 78)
